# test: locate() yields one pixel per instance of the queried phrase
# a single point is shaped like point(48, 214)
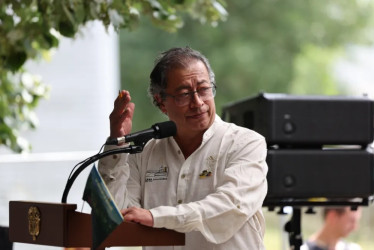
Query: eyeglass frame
point(213, 87)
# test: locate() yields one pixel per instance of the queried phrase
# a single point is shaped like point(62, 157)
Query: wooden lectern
point(58, 224)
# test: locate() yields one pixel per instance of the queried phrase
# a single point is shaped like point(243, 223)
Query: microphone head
point(165, 129)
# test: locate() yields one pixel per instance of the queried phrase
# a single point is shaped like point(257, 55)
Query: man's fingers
point(129, 110)
point(121, 115)
point(121, 102)
point(138, 215)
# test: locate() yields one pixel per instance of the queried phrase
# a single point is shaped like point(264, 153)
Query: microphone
point(158, 131)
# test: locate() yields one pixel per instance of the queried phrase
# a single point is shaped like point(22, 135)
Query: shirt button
point(180, 201)
point(183, 176)
point(115, 156)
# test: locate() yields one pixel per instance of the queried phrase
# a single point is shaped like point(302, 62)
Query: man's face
point(348, 221)
point(196, 116)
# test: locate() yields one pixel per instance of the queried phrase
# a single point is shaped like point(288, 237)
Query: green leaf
point(15, 60)
point(50, 39)
point(66, 28)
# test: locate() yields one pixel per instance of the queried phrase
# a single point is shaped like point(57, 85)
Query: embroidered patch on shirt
point(205, 173)
point(157, 175)
point(210, 162)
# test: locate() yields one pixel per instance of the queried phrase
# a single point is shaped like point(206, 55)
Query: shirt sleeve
point(115, 171)
point(238, 198)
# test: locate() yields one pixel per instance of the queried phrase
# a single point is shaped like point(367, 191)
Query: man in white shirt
point(208, 181)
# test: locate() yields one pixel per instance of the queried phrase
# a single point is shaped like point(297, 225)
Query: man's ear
point(160, 103)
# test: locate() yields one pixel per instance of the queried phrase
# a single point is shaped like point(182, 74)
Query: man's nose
point(196, 100)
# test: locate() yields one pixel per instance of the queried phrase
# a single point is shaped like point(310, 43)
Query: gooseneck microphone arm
point(157, 131)
point(132, 149)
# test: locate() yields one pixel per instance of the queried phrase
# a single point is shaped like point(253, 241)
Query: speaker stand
point(293, 227)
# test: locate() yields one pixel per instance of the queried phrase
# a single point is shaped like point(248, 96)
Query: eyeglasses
point(205, 94)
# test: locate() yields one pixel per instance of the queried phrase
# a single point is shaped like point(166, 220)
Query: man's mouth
point(198, 115)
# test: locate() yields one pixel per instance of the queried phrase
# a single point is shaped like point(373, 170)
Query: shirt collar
point(212, 129)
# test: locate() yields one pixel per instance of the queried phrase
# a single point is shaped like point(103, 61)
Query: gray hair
point(172, 59)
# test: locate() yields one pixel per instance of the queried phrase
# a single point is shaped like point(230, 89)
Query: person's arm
point(237, 199)
point(114, 169)
point(115, 172)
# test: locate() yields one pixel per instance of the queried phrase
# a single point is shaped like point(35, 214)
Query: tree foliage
point(265, 45)
point(30, 28)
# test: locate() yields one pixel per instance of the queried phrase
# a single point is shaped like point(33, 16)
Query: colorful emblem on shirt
point(157, 175)
point(210, 162)
point(205, 173)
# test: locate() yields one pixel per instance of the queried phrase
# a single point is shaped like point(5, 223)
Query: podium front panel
point(54, 224)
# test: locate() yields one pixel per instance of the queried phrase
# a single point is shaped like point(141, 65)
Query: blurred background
point(293, 47)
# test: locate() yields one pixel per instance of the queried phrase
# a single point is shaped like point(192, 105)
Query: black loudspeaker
point(305, 120)
point(309, 173)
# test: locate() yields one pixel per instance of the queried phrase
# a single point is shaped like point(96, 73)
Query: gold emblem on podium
point(34, 222)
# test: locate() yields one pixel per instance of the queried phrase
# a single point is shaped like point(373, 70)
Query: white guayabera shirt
point(214, 196)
